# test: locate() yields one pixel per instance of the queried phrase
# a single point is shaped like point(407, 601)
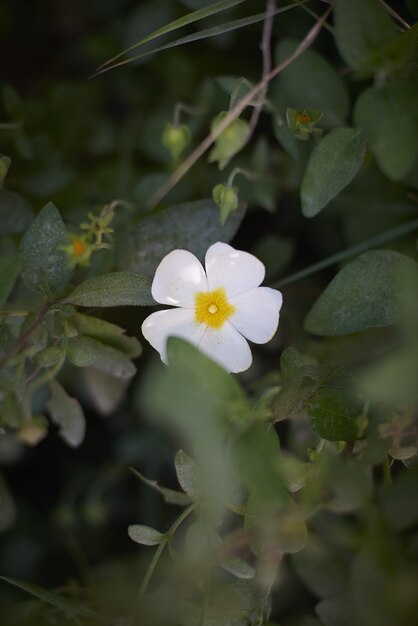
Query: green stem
point(157, 556)
point(378, 240)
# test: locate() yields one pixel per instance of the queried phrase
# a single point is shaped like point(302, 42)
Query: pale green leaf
point(85, 351)
point(187, 474)
point(171, 496)
point(115, 289)
point(145, 535)
point(67, 414)
point(332, 166)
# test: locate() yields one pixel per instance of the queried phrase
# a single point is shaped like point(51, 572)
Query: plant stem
point(389, 235)
point(21, 341)
point(198, 152)
point(157, 556)
point(387, 474)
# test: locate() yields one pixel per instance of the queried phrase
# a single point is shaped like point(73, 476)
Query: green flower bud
point(175, 139)
point(302, 122)
point(230, 141)
point(226, 198)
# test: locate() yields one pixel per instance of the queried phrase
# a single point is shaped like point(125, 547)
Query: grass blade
point(203, 34)
point(189, 18)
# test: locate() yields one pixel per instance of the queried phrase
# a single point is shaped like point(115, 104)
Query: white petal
point(177, 278)
point(235, 270)
point(257, 313)
point(159, 326)
point(227, 347)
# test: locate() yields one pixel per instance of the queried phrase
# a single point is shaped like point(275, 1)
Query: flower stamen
point(212, 308)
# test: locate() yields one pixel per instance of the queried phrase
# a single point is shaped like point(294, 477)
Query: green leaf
point(310, 82)
point(193, 226)
point(46, 267)
point(53, 599)
point(9, 271)
point(16, 213)
point(187, 474)
point(361, 28)
point(399, 503)
point(364, 294)
point(336, 610)
point(239, 568)
point(390, 117)
point(332, 166)
point(48, 356)
point(85, 351)
point(333, 413)
point(194, 16)
point(290, 361)
point(4, 168)
point(107, 333)
point(105, 391)
point(145, 535)
point(171, 496)
point(67, 413)
point(115, 289)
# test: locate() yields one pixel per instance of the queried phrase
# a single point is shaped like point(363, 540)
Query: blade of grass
point(203, 34)
point(189, 18)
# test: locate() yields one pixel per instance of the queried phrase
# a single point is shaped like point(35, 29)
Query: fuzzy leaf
point(115, 289)
point(332, 166)
point(193, 226)
point(364, 294)
point(107, 333)
point(187, 474)
point(46, 267)
point(85, 351)
point(145, 535)
point(67, 413)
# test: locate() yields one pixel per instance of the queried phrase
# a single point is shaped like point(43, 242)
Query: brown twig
point(395, 15)
point(265, 47)
point(22, 340)
point(234, 113)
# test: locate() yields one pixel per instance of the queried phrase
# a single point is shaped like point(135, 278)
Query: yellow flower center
point(79, 247)
point(212, 308)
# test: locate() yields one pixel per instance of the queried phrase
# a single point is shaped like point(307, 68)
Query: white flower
point(217, 310)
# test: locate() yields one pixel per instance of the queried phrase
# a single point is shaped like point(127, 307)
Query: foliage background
point(84, 143)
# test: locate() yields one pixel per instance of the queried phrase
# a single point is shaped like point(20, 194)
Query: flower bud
point(175, 139)
point(226, 198)
point(230, 141)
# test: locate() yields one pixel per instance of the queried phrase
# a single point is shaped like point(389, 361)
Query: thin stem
point(239, 170)
point(393, 13)
point(206, 601)
point(157, 556)
point(378, 240)
point(265, 47)
point(24, 337)
point(234, 113)
point(185, 108)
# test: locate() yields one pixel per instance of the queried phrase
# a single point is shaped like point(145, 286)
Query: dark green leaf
point(9, 271)
point(115, 289)
point(333, 414)
point(331, 167)
point(364, 294)
point(46, 267)
point(311, 82)
point(16, 213)
point(85, 351)
point(67, 414)
point(193, 226)
point(390, 117)
point(145, 535)
point(362, 26)
point(290, 361)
